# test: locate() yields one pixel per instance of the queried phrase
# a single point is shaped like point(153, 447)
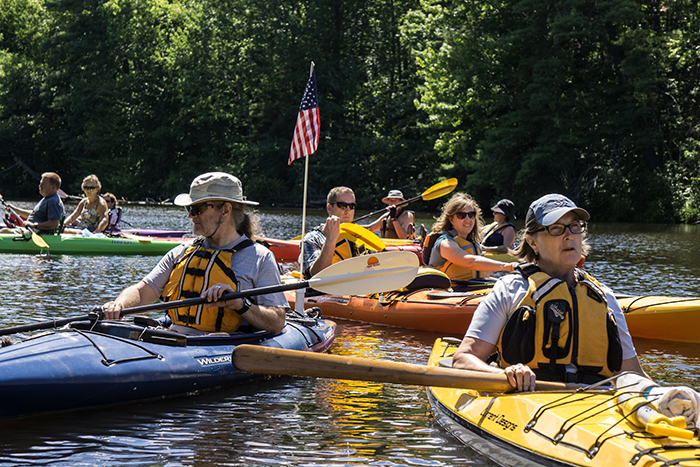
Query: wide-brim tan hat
point(213, 186)
point(393, 194)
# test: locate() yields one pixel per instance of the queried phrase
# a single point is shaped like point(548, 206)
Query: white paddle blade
point(368, 274)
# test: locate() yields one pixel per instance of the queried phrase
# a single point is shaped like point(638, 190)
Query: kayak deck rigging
point(586, 426)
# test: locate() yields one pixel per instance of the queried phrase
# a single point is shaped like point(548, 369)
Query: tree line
point(596, 99)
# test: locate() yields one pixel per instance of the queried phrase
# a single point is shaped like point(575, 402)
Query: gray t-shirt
point(496, 308)
point(254, 266)
point(47, 209)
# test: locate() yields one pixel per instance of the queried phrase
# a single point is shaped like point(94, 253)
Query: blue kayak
point(92, 364)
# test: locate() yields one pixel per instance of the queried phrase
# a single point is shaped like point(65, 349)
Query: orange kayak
point(650, 317)
point(426, 309)
point(285, 251)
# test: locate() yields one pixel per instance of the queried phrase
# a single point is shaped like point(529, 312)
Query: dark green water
point(290, 421)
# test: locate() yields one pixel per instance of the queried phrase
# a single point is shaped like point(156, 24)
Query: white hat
point(393, 194)
point(213, 186)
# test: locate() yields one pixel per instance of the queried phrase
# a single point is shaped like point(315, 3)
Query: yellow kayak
point(668, 318)
point(557, 428)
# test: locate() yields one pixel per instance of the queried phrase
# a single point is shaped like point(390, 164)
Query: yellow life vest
point(575, 321)
point(462, 273)
point(195, 272)
point(345, 249)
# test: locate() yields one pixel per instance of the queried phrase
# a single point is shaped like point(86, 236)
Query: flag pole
point(299, 298)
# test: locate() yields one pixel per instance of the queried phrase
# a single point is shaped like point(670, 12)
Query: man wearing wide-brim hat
point(396, 222)
point(222, 259)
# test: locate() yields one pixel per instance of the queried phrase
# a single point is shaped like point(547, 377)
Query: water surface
point(297, 421)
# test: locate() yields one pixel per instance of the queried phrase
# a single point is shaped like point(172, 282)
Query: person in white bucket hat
point(397, 222)
point(222, 259)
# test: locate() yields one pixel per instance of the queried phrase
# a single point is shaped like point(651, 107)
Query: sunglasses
point(197, 209)
point(344, 205)
point(556, 230)
point(462, 215)
point(89, 188)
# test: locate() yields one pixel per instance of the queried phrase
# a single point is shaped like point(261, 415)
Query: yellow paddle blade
point(440, 189)
point(138, 237)
point(38, 241)
point(361, 236)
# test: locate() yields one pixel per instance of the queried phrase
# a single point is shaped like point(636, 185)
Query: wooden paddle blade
point(440, 189)
point(368, 274)
point(361, 236)
point(267, 360)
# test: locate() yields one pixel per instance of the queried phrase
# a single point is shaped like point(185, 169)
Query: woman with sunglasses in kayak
point(549, 303)
point(455, 241)
point(91, 212)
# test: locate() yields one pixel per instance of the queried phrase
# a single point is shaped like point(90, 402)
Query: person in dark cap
point(499, 236)
point(397, 222)
point(550, 303)
point(222, 259)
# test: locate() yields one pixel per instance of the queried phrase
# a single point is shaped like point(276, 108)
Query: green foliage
point(597, 99)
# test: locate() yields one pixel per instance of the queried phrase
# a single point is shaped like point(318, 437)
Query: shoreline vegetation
point(595, 100)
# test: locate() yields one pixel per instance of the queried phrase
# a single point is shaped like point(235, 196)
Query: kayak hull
point(285, 251)
point(427, 309)
point(560, 428)
point(666, 318)
point(118, 362)
point(68, 244)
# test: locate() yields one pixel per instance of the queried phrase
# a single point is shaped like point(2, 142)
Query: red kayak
point(287, 251)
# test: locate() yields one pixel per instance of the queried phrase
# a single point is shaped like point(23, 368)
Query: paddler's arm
point(331, 229)
point(46, 225)
point(472, 355)
point(401, 226)
point(632, 364)
point(134, 295)
point(454, 254)
point(20, 212)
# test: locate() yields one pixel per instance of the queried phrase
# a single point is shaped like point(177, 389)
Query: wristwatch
point(246, 306)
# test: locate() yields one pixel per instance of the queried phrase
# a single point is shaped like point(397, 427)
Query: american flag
point(305, 139)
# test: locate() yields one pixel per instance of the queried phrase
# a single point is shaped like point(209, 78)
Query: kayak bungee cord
point(629, 309)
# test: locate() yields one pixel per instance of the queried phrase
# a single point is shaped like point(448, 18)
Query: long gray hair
point(247, 221)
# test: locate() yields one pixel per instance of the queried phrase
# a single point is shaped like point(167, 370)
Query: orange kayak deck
point(434, 310)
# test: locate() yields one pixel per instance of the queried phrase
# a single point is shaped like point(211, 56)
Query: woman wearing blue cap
point(550, 320)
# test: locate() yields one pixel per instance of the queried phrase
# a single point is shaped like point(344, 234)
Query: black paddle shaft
point(48, 324)
point(227, 296)
point(402, 203)
point(97, 312)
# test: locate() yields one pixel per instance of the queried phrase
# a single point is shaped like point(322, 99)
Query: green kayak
point(67, 244)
